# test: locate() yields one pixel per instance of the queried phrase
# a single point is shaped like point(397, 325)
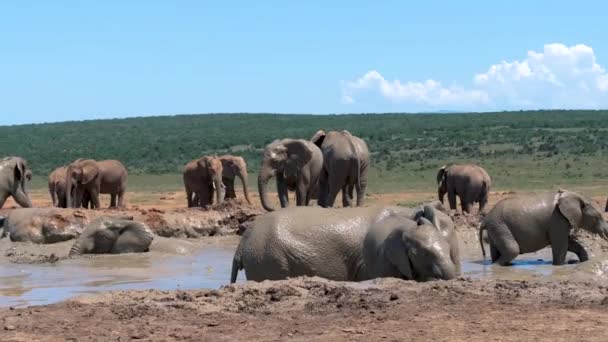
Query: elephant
point(296, 164)
point(201, 178)
point(470, 182)
point(345, 167)
point(96, 177)
point(350, 244)
point(13, 176)
point(42, 225)
point(113, 235)
point(234, 166)
point(57, 188)
point(527, 223)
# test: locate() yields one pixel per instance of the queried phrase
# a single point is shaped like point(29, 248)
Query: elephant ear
point(441, 174)
point(396, 252)
point(570, 206)
point(429, 214)
point(89, 172)
point(318, 138)
point(20, 170)
point(203, 165)
point(299, 152)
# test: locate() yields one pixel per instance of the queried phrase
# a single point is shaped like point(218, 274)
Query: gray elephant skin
point(41, 225)
point(95, 178)
point(233, 167)
point(528, 223)
point(296, 164)
point(13, 176)
point(471, 183)
point(345, 167)
point(202, 179)
point(351, 244)
point(113, 235)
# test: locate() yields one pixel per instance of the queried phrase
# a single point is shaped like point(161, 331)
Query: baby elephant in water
point(113, 235)
point(351, 244)
point(526, 224)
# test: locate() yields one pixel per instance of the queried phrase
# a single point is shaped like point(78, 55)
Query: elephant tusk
point(213, 184)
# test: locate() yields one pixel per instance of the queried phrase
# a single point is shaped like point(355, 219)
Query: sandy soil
point(318, 310)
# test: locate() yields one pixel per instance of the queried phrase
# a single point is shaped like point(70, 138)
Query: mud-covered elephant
point(232, 167)
point(296, 164)
point(57, 186)
point(345, 167)
point(13, 177)
point(96, 177)
point(42, 225)
point(113, 235)
point(202, 178)
point(527, 223)
point(351, 244)
point(471, 183)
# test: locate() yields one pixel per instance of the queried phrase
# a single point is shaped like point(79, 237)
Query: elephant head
point(282, 158)
point(211, 168)
point(113, 235)
point(13, 175)
point(442, 187)
point(581, 213)
point(418, 249)
point(236, 167)
point(80, 173)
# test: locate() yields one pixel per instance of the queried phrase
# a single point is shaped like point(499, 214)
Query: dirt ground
point(313, 309)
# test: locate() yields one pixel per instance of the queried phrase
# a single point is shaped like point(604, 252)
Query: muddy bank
point(51, 225)
point(312, 309)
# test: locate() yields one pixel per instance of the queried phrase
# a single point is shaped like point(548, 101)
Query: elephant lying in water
point(526, 224)
point(351, 244)
point(113, 235)
point(41, 225)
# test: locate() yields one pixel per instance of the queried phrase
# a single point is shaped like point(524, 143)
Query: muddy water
point(180, 264)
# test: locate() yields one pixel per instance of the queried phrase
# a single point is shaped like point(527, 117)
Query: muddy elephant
point(232, 167)
point(345, 167)
point(13, 178)
point(470, 183)
point(42, 225)
point(296, 164)
point(96, 177)
point(527, 223)
point(351, 244)
point(202, 177)
point(113, 235)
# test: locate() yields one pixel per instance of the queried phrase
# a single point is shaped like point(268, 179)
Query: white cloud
point(558, 77)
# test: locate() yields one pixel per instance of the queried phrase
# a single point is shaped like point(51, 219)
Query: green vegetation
point(521, 150)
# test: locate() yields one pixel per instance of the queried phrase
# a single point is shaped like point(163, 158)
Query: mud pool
point(186, 264)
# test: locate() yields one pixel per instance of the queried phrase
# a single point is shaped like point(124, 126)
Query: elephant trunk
point(243, 176)
point(445, 270)
point(266, 172)
point(69, 198)
point(441, 194)
point(219, 189)
point(76, 248)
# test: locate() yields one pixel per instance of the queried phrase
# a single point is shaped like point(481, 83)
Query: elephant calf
point(528, 223)
point(113, 235)
point(352, 244)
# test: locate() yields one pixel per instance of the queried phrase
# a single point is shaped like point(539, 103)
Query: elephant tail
point(237, 265)
point(481, 229)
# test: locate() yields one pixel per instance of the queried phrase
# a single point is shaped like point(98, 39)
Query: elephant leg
point(495, 254)
point(94, 195)
point(189, 198)
point(578, 249)
point(452, 199)
point(121, 199)
point(336, 183)
point(361, 187)
point(230, 192)
point(559, 238)
point(483, 201)
point(210, 195)
point(465, 205)
point(347, 196)
point(301, 194)
point(507, 247)
point(323, 190)
point(112, 200)
point(283, 193)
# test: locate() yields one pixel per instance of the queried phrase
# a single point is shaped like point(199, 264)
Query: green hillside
point(520, 149)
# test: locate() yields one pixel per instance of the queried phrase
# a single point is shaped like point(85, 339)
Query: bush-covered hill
point(399, 142)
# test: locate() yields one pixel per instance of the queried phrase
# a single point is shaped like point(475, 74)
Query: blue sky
point(75, 60)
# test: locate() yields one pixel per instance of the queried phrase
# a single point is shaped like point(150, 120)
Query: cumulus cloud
point(558, 77)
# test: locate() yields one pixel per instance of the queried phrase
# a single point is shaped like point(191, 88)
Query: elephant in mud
point(469, 182)
point(41, 225)
point(113, 235)
point(13, 176)
point(232, 167)
point(345, 167)
point(95, 177)
point(296, 164)
point(527, 223)
point(351, 244)
point(202, 177)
